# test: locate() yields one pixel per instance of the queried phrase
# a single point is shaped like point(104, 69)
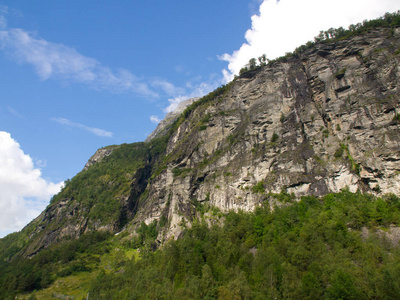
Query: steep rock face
point(312, 124)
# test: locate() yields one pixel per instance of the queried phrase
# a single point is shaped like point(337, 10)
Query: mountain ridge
point(284, 127)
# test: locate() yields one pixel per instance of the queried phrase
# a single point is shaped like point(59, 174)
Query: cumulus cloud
point(95, 131)
point(283, 25)
point(23, 191)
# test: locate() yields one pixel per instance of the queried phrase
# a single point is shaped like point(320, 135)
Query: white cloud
point(167, 87)
point(155, 119)
point(23, 191)
point(96, 131)
point(174, 102)
point(283, 25)
point(51, 60)
point(57, 61)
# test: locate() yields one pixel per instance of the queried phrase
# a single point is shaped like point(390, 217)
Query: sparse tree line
point(389, 20)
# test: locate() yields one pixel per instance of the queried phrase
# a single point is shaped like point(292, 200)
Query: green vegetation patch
point(305, 249)
point(259, 188)
point(65, 259)
point(100, 187)
point(354, 166)
point(180, 171)
point(274, 138)
point(396, 118)
point(339, 152)
point(203, 127)
point(310, 249)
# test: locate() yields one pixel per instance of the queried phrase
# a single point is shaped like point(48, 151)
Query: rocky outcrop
point(54, 224)
point(65, 219)
point(99, 155)
point(312, 124)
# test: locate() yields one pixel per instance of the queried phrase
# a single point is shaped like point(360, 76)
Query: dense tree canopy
point(333, 248)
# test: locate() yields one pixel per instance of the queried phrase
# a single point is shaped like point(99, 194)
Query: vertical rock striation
point(312, 124)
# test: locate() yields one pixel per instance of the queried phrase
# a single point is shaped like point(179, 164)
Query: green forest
point(311, 249)
point(336, 247)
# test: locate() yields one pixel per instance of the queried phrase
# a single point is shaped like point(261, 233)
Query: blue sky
point(79, 75)
point(165, 47)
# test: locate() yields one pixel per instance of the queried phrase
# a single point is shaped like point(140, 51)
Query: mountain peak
point(170, 118)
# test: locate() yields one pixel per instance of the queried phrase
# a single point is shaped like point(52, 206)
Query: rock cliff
point(314, 123)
